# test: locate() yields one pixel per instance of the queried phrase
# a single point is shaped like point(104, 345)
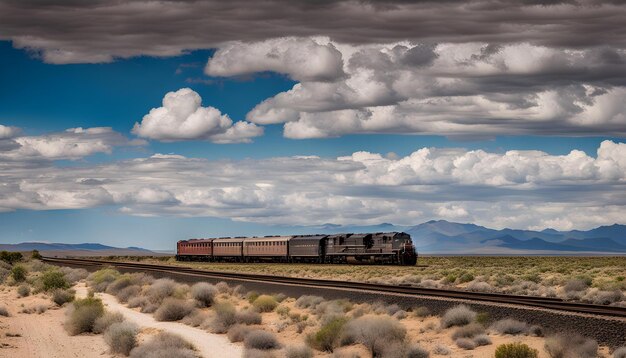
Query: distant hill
point(440, 236)
point(85, 249)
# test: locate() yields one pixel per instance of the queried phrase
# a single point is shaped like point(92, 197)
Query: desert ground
point(70, 313)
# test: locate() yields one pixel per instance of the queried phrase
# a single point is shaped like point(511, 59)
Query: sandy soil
point(208, 345)
point(35, 335)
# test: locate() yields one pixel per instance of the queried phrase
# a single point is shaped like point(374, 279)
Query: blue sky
point(512, 130)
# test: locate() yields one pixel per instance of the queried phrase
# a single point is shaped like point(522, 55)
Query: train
point(380, 248)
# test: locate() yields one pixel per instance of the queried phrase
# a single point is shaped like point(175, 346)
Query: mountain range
point(86, 249)
point(445, 237)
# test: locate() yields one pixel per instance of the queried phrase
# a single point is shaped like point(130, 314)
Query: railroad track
point(524, 301)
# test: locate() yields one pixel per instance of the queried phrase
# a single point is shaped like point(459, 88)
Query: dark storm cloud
point(98, 31)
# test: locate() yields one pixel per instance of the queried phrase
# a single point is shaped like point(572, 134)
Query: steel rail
point(480, 297)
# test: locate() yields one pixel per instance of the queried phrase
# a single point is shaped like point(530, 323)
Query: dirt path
point(208, 345)
point(42, 335)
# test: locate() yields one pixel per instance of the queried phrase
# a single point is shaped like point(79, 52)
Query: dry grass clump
point(479, 286)
point(458, 316)
point(482, 340)
point(441, 350)
point(327, 338)
point(598, 297)
point(306, 301)
point(575, 285)
point(83, 315)
point(248, 317)
point(421, 312)
point(61, 296)
point(121, 337)
point(23, 290)
point(164, 345)
point(260, 339)
point(224, 317)
point(127, 293)
point(468, 331)
point(510, 326)
point(161, 289)
point(173, 309)
point(196, 318)
point(106, 320)
point(238, 332)
point(222, 287)
point(19, 273)
point(298, 352)
point(465, 343)
point(515, 350)
point(204, 293)
point(39, 309)
point(374, 332)
point(620, 353)
point(73, 275)
point(571, 345)
point(101, 279)
point(265, 303)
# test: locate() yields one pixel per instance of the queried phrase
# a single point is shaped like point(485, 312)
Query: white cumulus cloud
point(182, 117)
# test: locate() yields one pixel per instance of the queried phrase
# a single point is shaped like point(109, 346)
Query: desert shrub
point(604, 297)
point(279, 297)
point(39, 309)
point(259, 339)
point(106, 320)
point(204, 293)
point(536, 331)
point(101, 279)
point(402, 314)
point(327, 310)
point(238, 332)
point(61, 297)
point(327, 337)
point(35, 255)
point(83, 315)
point(458, 316)
point(173, 309)
point(121, 337)
point(164, 345)
point(483, 318)
point(620, 353)
point(575, 285)
point(137, 301)
point(307, 301)
point(38, 266)
point(4, 312)
point(10, 257)
point(422, 312)
point(252, 295)
point(510, 326)
point(374, 332)
point(466, 277)
point(4, 273)
point(18, 272)
point(516, 350)
point(23, 290)
point(298, 352)
point(128, 292)
point(225, 316)
point(571, 345)
point(416, 352)
point(248, 317)
point(465, 343)
point(119, 284)
point(74, 275)
point(161, 289)
point(382, 308)
point(265, 303)
point(479, 286)
point(54, 279)
point(441, 350)
point(222, 287)
point(195, 318)
point(482, 340)
point(468, 331)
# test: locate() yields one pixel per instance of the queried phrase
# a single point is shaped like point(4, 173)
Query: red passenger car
point(195, 249)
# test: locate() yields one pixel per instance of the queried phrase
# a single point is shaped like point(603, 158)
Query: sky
point(250, 118)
